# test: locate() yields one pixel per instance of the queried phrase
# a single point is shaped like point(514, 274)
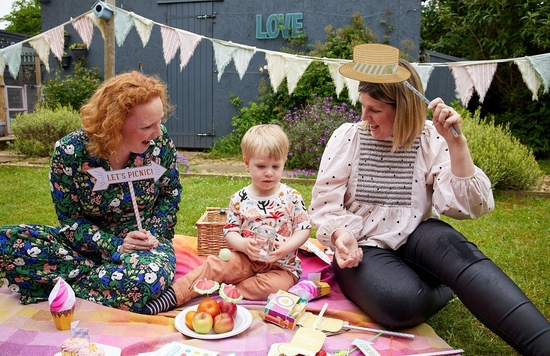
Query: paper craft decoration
point(105, 178)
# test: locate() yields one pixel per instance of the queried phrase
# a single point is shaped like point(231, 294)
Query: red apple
point(202, 322)
point(223, 323)
point(228, 307)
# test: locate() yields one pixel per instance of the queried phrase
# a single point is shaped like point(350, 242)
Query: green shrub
point(36, 133)
point(507, 162)
point(73, 90)
point(310, 127)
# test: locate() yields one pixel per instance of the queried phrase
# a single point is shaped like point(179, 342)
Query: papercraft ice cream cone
point(62, 300)
point(310, 289)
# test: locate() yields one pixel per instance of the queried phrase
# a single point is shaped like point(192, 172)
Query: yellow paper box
point(284, 309)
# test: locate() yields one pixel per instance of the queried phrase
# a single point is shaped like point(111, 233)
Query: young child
point(265, 203)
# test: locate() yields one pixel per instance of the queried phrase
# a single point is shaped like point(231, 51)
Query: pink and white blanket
point(29, 329)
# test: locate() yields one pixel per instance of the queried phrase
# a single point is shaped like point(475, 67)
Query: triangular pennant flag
point(333, 69)
point(85, 29)
point(2, 62)
point(170, 43)
point(223, 54)
point(241, 59)
point(188, 43)
point(353, 89)
point(530, 76)
point(99, 23)
point(463, 82)
point(482, 76)
point(56, 39)
point(541, 63)
point(275, 68)
point(42, 48)
point(123, 24)
point(144, 27)
point(424, 72)
point(12, 55)
point(295, 67)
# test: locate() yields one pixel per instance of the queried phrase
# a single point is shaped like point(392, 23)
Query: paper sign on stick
point(104, 178)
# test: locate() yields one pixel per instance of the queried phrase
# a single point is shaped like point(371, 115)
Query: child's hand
point(251, 249)
point(280, 252)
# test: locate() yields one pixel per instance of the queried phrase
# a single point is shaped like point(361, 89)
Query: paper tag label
point(365, 347)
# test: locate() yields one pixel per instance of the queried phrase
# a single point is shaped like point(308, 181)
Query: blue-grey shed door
point(191, 89)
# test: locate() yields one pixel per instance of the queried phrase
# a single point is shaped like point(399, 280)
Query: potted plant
point(66, 60)
point(67, 36)
point(79, 50)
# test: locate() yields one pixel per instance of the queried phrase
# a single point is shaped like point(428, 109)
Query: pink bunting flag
point(56, 39)
point(85, 29)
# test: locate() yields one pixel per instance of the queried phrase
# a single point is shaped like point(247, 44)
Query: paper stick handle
point(384, 332)
point(134, 203)
point(421, 96)
point(441, 353)
point(320, 316)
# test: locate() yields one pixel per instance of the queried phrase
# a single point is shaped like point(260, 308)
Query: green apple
point(202, 322)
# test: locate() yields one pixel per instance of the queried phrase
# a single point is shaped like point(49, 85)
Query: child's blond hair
point(266, 138)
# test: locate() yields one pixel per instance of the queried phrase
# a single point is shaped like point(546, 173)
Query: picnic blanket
point(29, 329)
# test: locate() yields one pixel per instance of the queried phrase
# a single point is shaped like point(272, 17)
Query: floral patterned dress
point(84, 249)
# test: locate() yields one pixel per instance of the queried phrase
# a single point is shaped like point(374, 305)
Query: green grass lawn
point(516, 237)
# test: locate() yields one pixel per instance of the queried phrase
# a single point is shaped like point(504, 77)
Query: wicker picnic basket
point(210, 239)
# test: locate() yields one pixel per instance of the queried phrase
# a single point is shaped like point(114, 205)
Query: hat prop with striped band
point(375, 63)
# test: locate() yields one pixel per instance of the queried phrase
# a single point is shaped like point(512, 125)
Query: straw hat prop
point(375, 63)
point(379, 63)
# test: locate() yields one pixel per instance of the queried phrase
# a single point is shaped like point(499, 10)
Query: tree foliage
point(489, 30)
point(25, 17)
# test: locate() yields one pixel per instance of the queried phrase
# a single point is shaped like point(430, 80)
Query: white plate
point(109, 350)
point(242, 322)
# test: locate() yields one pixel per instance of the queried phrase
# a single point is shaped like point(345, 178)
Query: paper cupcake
point(91, 349)
point(62, 300)
point(72, 346)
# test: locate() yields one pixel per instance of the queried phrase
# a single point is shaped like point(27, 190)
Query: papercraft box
point(284, 309)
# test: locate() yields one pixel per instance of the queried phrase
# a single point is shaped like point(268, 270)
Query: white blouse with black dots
point(380, 196)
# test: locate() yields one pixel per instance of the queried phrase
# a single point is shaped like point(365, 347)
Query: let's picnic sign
point(105, 178)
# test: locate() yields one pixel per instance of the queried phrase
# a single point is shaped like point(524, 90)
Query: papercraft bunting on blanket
point(295, 67)
point(12, 56)
point(424, 72)
point(172, 39)
point(123, 24)
point(143, 27)
point(42, 48)
point(276, 69)
point(56, 39)
point(541, 63)
point(85, 29)
point(530, 76)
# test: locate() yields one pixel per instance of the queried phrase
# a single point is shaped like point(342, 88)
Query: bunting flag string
point(468, 75)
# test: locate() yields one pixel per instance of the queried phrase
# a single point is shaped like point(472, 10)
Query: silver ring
point(134, 246)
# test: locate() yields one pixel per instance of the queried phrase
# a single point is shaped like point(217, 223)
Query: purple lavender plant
point(309, 128)
point(183, 163)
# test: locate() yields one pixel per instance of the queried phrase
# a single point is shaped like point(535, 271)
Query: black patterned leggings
point(403, 288)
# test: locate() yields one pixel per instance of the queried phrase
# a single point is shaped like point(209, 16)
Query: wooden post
point(3, 108)
point(109, 46)
point(38, 78)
